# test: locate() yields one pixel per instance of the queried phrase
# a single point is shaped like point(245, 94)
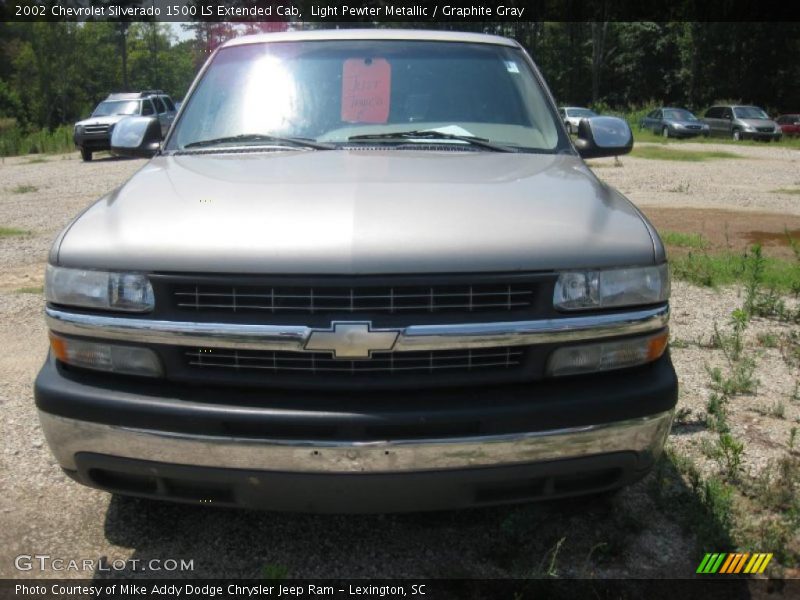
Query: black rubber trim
point(359, 493)
point(357, 415)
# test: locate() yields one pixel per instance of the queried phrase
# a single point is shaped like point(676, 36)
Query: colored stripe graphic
point(734, 562)
point(740, 564)
point(731, 563)
point(726, 565)
point(717, 563)
point(754, 560)
point(702, 567)
point(764, 564)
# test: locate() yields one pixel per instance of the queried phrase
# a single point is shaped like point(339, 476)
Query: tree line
point(54, 73)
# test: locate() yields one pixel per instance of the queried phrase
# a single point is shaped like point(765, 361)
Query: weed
point(778, 410)
point(741, 380)
point(792, 437)
point(717, 498)
point(717, 417)
point(12, 231)
point(678, 343)
point(24, 189)
point(768, 340)
point(551, 570)
point(684, 240)
point(755, 267)
point(729, 455)
point(681, 188)
point(30, 290)
point(793, 191)
point(682, 415)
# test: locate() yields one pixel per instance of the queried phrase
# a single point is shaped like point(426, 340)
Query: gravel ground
point(750, 183)
point(43, 512)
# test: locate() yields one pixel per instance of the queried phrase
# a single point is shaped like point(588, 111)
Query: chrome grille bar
point(380, 362)
point(466, 298)
point(412, 338)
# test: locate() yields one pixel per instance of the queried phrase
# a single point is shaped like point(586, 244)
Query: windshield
point(750, 112)
point(679, 115)
point(116, 107)
point(330, 91)
point(581, 112)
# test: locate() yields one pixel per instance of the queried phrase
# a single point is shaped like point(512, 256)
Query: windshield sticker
point(366, 90)
point(512, 67)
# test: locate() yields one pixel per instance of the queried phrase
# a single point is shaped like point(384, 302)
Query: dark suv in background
point(94, 134)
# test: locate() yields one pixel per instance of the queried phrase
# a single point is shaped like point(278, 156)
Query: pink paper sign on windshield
point(366, 90)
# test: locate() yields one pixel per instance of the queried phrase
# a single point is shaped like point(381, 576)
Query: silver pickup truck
point(365, 271)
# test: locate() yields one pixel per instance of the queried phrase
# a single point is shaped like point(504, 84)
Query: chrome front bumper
point(644, 436)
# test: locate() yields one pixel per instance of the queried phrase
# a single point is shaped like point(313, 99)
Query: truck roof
point(372, 34)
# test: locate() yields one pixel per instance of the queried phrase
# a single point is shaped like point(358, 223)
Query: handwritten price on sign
point(366, 90)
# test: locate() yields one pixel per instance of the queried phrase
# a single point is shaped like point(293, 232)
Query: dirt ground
point(632, 534)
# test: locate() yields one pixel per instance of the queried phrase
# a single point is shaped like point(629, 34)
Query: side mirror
point(603, 136)
point(136, 137)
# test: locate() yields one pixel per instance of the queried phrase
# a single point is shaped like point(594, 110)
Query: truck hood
point(107, 120)
point(358, 212)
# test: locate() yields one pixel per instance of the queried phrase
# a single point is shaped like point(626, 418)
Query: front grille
point(352, 300)
point(321, 363)
point(693, 127)
point(95, 129)
point(765, 129)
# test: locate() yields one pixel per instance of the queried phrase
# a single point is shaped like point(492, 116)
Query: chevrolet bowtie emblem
point(351, 340)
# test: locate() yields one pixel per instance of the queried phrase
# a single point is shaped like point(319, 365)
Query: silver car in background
point(572, 115)
point(674, 122)
point(742, 123)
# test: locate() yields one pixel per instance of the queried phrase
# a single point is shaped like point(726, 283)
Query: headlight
point(130, 292)
point(101, 356)
point(78, 128)
point(747, 127)
point(582, 290)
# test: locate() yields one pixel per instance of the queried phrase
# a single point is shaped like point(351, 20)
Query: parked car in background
point(674, 122)
point(742, 123)
point(789, 124)
point(268, 316)
point(94, 134)
point(572, 115)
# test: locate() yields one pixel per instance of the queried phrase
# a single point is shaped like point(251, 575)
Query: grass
point(30, 290)
point(684, 240)
point(712, 270)
point(648, 136)
point(16, 141)
point(24, 189)
point(661, 153)
point(12, 231)
point(794, 191)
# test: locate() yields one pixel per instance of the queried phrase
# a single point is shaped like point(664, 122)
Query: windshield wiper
point(432, 134)
point(261, 137)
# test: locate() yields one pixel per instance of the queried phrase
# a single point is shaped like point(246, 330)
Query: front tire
point(665, 132)
point(737, 135)
point(569, 128)
point(86, 155)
